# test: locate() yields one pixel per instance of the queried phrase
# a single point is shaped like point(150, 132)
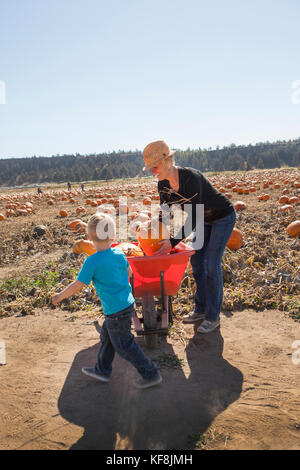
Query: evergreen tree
point(260, 164)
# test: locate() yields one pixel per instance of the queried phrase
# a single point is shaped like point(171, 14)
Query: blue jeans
point(207, 267)
point(115, 336)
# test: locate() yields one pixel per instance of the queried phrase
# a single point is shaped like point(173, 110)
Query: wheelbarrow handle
point(162, 287)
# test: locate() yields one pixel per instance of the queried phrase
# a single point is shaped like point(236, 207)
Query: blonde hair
point(169, 161)
point(101, 227)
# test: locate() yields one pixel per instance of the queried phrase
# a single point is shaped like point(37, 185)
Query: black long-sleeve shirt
point(194, 189)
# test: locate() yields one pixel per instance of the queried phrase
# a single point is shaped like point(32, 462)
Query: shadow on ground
point(119, 416)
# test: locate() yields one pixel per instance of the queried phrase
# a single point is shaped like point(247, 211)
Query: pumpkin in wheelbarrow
point(129, 249)
point(150, 234)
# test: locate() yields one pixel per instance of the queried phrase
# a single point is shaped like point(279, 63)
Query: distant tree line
point(121, 164)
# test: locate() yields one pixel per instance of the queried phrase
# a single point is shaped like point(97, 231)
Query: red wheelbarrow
point(157, 276)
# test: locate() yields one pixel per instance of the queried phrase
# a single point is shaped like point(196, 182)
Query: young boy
point(109, 270)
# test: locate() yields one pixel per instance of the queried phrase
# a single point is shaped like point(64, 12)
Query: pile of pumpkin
point(16, 208)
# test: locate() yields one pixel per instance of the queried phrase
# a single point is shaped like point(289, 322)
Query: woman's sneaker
point(146, 383)
point(193, 317)
point(91, 372)
point(208, 326)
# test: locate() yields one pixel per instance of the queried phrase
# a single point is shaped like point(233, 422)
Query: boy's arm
point(70, 290)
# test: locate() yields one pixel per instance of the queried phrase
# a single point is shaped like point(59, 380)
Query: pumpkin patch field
point(260, 266)
point(249, 370)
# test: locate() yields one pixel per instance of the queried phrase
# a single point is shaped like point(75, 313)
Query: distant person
point(109, 270)
point(82, 187)
point(39, 191)
point(69, 185)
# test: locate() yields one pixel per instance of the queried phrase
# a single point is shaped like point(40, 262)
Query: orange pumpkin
point(239, 206)
point(81, 228)
point(149, 245)
point(129, 249)
point(283, 200)
point(286, 208)
point(80, 209)
point(22, 212)
point(147, 201)
point(293, 229)
point(150, 234)
point(83, 246)
point(73, 224)
point(78, 225)
point(263, 197)
point(63, 213)
point(2, 217)
point(235, 241)
point(293, 200)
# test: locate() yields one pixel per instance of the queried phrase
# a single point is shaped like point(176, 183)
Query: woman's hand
point(165, 247)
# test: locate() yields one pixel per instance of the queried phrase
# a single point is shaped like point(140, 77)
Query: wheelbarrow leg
point(171, 312)
point(150, 319)
point(165, 303)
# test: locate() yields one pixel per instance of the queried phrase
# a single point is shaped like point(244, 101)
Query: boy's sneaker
point(208, 326)
point(91, 372)
point(146, 383)
point(193, 317)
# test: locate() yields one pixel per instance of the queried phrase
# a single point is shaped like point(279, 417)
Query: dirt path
point(238, 388)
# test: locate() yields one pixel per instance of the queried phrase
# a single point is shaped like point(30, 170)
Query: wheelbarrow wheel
point(150, 320)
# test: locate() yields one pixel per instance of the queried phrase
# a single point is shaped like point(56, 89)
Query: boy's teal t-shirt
point(107, 270)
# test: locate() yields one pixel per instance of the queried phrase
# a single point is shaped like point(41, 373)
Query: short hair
point(170, 160)
point(101, 227)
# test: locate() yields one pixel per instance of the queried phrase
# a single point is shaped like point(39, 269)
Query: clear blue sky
point(95, 76)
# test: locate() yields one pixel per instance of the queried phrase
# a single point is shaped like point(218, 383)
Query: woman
point(179, 185)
